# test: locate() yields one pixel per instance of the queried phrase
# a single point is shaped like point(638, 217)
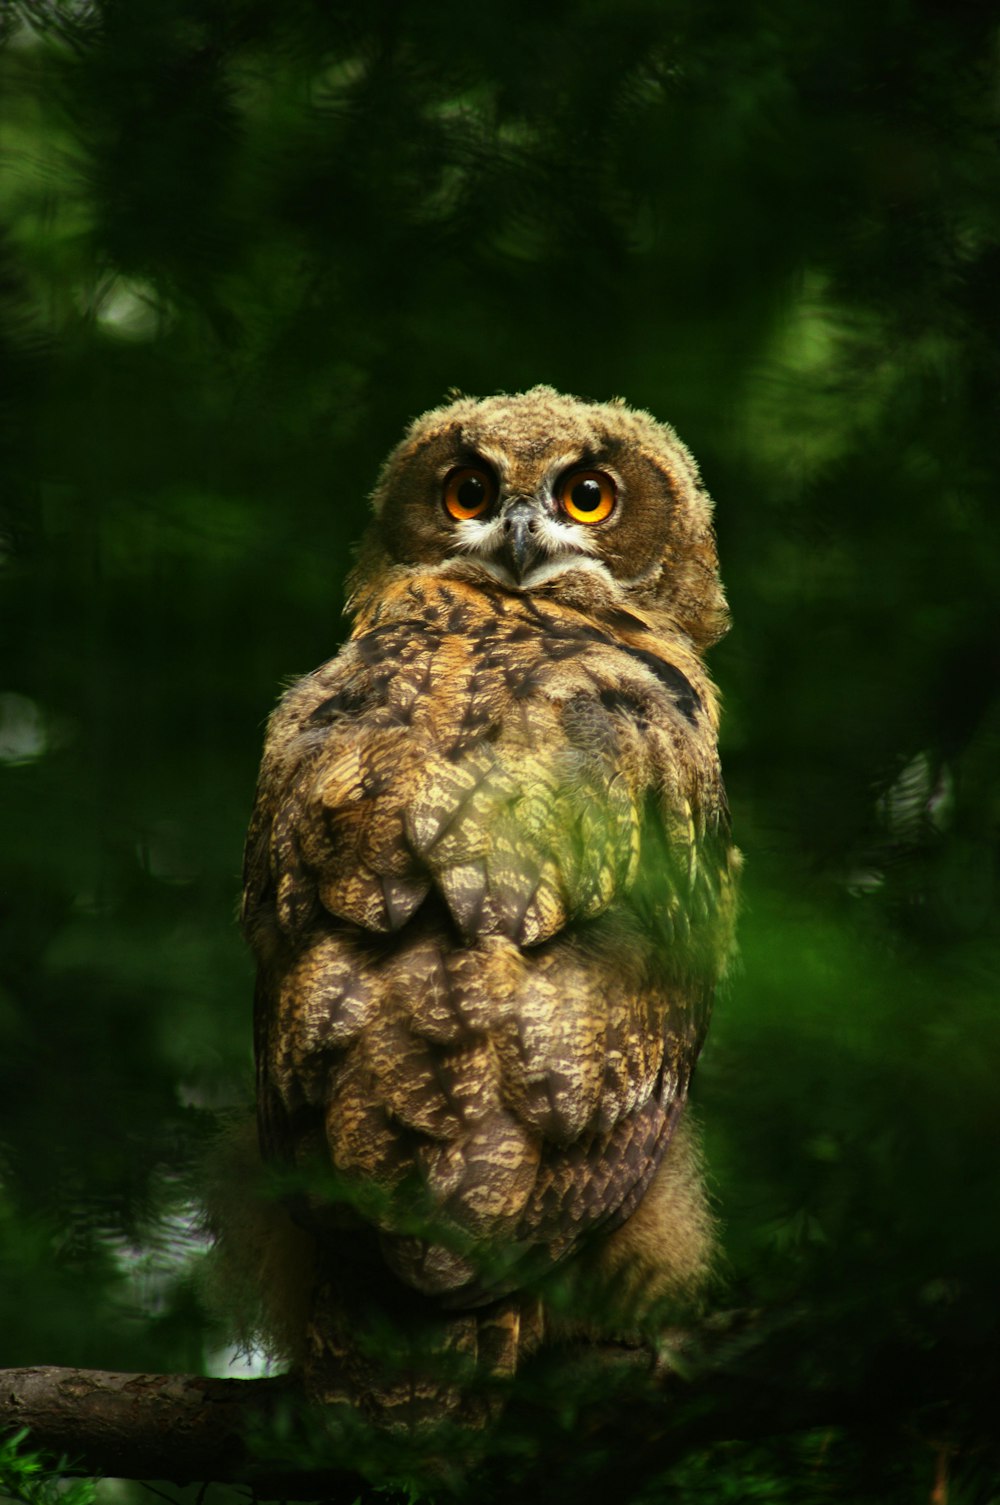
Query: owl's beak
point(520, 547)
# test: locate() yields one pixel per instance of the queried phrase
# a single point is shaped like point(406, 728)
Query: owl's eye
point(587, 496)
point(468, 492)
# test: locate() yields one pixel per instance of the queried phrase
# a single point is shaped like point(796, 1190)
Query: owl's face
point(538, 492)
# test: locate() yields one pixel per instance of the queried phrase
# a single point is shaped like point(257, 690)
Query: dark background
point(242, 244)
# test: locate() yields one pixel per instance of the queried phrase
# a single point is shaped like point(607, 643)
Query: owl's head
point(551, 495)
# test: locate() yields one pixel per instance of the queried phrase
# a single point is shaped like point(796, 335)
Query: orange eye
point(588, 496)
point(468, 492)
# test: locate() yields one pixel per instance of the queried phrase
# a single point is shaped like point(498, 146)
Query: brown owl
point(489, 887)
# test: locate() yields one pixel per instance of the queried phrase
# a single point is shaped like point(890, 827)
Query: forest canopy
point(240, 246)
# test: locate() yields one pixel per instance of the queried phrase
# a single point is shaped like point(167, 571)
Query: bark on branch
point(180, 1427)
point(731, 1381)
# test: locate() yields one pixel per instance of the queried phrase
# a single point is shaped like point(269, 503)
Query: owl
point(489, 887)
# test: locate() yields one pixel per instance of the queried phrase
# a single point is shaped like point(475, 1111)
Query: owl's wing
point(482, 884)
point(515, 776)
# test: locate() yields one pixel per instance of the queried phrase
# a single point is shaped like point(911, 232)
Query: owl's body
point(489, 887)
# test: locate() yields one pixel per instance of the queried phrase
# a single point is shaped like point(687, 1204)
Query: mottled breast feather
point(488, 886)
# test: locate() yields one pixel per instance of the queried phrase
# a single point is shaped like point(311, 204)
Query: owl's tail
point(409, 1365)
point(355, 1333)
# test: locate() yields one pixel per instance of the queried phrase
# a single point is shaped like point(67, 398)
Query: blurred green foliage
point(241, 244)
point(34, 1479)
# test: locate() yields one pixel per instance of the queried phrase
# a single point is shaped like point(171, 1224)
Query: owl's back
point(488, 887)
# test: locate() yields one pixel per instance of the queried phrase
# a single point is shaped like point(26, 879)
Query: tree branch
point(740, 1377)
point(180, 1427)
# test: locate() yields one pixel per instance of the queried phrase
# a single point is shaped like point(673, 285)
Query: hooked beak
point(520, 547)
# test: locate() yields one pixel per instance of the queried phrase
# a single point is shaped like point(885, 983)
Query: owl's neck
point(456, 597)
point(374, 591)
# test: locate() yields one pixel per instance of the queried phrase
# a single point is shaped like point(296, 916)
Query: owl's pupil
point(471, 493)
point(586, 496)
